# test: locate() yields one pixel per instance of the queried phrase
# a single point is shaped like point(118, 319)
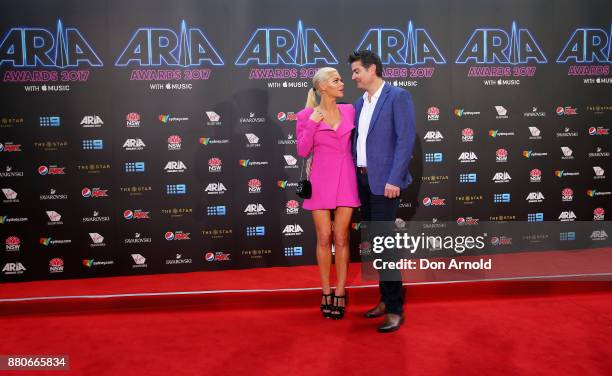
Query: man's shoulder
point(397, 91)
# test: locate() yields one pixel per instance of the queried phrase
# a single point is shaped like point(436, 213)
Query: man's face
point(363, 77)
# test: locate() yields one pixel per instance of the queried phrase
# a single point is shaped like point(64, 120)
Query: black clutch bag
point(304, 189)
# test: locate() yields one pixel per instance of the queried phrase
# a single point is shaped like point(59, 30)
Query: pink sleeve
point(305, 130)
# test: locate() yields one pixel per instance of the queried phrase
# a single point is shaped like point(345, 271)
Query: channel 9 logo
point(176, 189)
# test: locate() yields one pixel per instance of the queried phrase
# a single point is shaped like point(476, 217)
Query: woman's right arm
point(305, 130)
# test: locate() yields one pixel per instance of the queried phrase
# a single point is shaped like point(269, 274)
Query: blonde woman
point(324, 128)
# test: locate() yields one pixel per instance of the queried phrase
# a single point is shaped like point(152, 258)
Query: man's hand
point(391, 191)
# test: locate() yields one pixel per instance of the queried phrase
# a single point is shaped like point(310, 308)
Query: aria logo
point(415, 47)
point(91, 121)
point(274, 46)
point(38, 47)
point(215, 189)
point(495, 46)
point(587, 46)
point(254, 209)
point(158, 46)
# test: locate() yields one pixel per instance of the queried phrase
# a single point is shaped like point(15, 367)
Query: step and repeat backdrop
point(142, 137)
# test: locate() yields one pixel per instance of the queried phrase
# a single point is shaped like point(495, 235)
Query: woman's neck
point(328, 104)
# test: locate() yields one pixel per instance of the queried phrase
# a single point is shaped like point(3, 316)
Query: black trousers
point(380, 208)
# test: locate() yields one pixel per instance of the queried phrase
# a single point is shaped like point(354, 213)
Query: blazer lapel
point(383, 97)
point(358, 107)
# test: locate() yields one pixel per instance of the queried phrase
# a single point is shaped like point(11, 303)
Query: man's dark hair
point(367, 58)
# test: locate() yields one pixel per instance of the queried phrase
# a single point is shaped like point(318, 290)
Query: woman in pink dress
point(324, 129)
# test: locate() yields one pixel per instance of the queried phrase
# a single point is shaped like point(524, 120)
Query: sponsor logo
point(533, 154)
point(293, 251)
point(56, 265)
point(433, 114)
point(293, 230)
point(51, 170)
point(94, 192)
point(133, 144)
point(91, 121)
point(135, 167)
point(534, 113)
point(96, 217)
point(599, 131)
point(137, 239)
point(599, 173)
point(139, 261)
point(502, 177)
point(174, 142)
point(566, 111)
point(177, 235)
point(502, 113)
point(49, 121)
point(533, 197)
point(252, 231)
point(292, 207)
point(467, 157)
point(567, 132)
point(535, 217)
point(502, 198)
point(433, 136)
point(434, 201)
point(501, 155)
point(216, 256)
point(13, 268)
point(215, 189)
point(434, 157)
point(254, 209)
point(468, 178)
point(254, 186)
point(135, 214)
point(12, 244)
point(175, 166)
point(214, 164)
point(218, 210)
point(132, 120)
point(535, 175)
point(176, 189)
point(467, 135)
point(567, 216)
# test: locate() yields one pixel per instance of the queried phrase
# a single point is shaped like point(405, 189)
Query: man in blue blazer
point(382, 149)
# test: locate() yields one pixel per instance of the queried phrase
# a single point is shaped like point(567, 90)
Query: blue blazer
point(390, 139)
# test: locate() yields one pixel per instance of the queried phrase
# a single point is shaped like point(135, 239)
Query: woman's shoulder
point(305, 112)
point(347, 107)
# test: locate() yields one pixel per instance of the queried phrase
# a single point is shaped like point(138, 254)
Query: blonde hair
point(321, 75)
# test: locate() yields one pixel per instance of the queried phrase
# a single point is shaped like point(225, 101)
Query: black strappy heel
point(337, 311)
point(327, 307)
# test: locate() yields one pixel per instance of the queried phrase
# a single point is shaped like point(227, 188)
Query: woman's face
point(333, 86)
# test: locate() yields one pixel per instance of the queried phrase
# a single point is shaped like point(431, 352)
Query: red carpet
point(510, 328)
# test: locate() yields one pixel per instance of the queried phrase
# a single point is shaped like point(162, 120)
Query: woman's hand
point(316, 116)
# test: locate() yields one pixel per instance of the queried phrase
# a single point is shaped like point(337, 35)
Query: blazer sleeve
point(305, 130)
point(405, 131)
